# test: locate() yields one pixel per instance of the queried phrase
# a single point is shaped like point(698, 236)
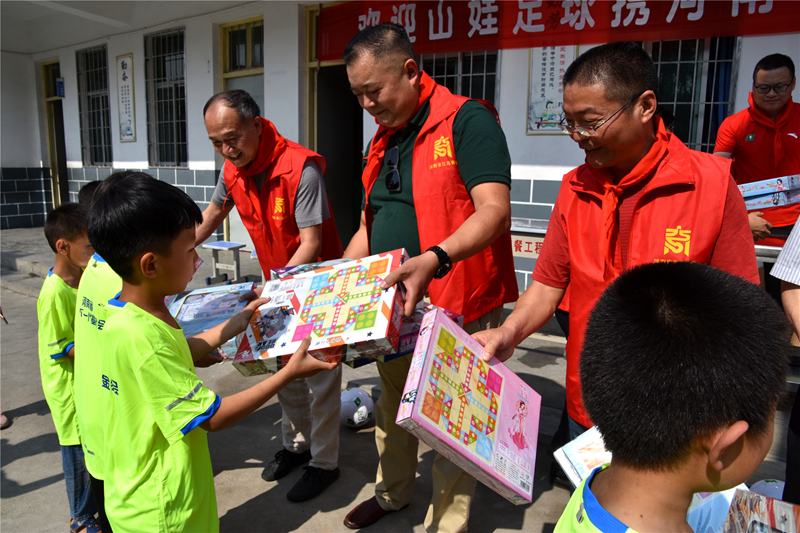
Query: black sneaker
point(311, 485)
point(284, 462)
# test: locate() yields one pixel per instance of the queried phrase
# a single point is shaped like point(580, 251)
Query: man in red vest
point(436, 179)
point(763, 142)
point(277, 186)
point(641, 197)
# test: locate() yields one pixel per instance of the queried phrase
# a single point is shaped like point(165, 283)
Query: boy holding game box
point(65, 230)
point(157, 466)
point(683, 386)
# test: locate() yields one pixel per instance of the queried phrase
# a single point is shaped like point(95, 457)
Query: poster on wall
point(127, 115)
point(545, 87)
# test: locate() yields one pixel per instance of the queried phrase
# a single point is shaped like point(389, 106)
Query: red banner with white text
point(464, 26)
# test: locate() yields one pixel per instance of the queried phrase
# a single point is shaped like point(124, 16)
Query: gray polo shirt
point(310, 203)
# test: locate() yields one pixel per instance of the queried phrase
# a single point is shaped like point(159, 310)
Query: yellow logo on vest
point(442, 148)
point(677, 241)
point(280, 206)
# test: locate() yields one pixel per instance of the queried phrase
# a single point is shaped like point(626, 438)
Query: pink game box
point(479, 415)
point(341, 307)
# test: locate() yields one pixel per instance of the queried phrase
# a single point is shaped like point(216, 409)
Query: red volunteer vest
point(271, 224)
point(753, 158)
point(484, 281)
point(678, 218)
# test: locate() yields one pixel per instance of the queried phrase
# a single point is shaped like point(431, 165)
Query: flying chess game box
point(341, 307)
point(409, 332)
point(479, 415)
point(280, 273)
point(202, 309)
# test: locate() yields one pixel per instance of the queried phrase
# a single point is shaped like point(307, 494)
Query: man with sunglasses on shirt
point(763, 142)
point(436, 178)
point(641, 197)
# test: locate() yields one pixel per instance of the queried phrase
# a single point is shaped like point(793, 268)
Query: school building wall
point(538, 162)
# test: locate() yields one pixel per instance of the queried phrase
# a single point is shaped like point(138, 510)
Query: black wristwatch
point(445, 264)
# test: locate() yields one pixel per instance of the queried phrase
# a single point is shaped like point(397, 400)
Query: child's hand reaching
point(303, 365)
point(240, 321)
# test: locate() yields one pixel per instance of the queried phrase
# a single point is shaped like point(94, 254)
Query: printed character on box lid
point(273, 321)
point(517, 428)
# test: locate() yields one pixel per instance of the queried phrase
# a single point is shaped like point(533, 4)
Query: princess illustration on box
point(517, 429)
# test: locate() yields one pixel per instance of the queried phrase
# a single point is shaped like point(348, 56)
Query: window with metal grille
point(472, 74)
point(93, 108)
point(165, 79)
point(243, 46)
point(697, 84)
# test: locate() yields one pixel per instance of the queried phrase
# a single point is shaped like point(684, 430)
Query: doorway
point(54, 115)
point(339, 132)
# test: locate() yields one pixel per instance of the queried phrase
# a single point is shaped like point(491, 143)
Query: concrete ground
point(32, 494)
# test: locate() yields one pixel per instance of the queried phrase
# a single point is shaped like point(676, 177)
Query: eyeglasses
point(391, 159)
point(589, 131)
point(765, 89)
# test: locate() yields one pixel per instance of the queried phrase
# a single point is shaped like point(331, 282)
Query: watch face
point(443, 270)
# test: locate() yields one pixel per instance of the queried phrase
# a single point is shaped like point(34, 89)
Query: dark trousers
point(99, 498)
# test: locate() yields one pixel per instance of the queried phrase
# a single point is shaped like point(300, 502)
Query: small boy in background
point(157, 466)
point(65, 230)
point(99, 284)
point(682, 369)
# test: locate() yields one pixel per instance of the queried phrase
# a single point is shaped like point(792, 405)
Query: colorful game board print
point(462, 394)
point(342, 299)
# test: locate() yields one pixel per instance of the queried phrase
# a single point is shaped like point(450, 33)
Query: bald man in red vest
point(278, 189)
point(436, 182)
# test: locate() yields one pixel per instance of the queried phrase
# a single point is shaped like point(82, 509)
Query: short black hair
point(379, 41)
point(135, 213)
point(86, 193)
point(676, 351)
point(239, 100)
point(623, 69)
point(772, 62)
point(65, 222)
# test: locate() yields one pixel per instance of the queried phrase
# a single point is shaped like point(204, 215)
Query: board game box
point(580, 456)
point(409, 331)
point(750, 512)
point(201, 309)
point(341, 307)
point(479, 415)
point(280, 273)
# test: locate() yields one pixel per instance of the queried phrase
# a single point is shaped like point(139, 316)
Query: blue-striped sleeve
point(64, 352)
point(199, 419)
point(787, 267)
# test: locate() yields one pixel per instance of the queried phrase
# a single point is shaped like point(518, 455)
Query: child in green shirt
point(682, 383)
point(157, 466)
point(65, 229)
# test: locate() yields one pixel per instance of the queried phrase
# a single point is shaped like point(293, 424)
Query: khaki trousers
point(397, 451)
point(311, 417)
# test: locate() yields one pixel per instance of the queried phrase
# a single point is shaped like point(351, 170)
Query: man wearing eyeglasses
point(763, 142)
point(436, 179)
point(641, 197)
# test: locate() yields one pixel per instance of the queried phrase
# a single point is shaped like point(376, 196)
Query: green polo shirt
point(55, 309)
point(157, 467)
point(584, 514)
point(482, 155)
point(99, 284)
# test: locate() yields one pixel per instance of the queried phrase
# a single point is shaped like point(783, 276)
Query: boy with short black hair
point(157, 466)
point(683, 386)
point(65, 230)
